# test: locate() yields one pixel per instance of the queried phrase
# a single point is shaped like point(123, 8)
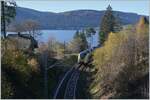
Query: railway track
point(67, 86)
point(60, 85)
point(71, 86)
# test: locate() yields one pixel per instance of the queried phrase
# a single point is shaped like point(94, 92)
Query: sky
point(135, 6)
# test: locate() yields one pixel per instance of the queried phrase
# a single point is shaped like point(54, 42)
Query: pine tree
point(84, 41)
point(79, 42)
point(117, 24)
point(76, 34)
point(8, 12)
point(109, 24)
point(89, 34)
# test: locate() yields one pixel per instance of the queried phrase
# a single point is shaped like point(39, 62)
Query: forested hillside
point(76, 19)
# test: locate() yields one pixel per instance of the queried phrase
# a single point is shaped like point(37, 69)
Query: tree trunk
point(3, 20)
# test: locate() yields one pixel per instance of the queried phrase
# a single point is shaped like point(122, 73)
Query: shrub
point(19, 75)
point(6, 87)
point(71, 59)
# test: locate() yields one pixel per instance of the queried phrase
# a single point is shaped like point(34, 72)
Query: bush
point(19, 75)
point(6, 87)
point(71, 59)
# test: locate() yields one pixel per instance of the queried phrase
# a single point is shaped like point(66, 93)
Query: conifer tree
point(8, 12)
point(79, 42)
point(84, 41)
point(110, 23)
point(117, 24)
point(76, 34)
point(89, 34)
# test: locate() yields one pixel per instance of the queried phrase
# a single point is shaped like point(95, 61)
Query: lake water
point(60, 35)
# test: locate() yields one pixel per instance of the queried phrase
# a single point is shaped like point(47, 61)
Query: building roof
point(17, 35)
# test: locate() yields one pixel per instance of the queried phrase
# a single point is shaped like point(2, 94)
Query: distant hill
point(76, 19)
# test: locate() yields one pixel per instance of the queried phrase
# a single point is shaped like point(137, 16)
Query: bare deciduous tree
point(32, 28)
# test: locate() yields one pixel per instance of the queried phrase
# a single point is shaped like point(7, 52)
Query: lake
point(60, 35)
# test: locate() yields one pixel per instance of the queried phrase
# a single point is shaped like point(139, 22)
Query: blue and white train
point(82, 55)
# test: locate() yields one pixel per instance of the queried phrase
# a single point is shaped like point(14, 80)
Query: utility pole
point(64, 48)
point(3, 19)
point(45, 75)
